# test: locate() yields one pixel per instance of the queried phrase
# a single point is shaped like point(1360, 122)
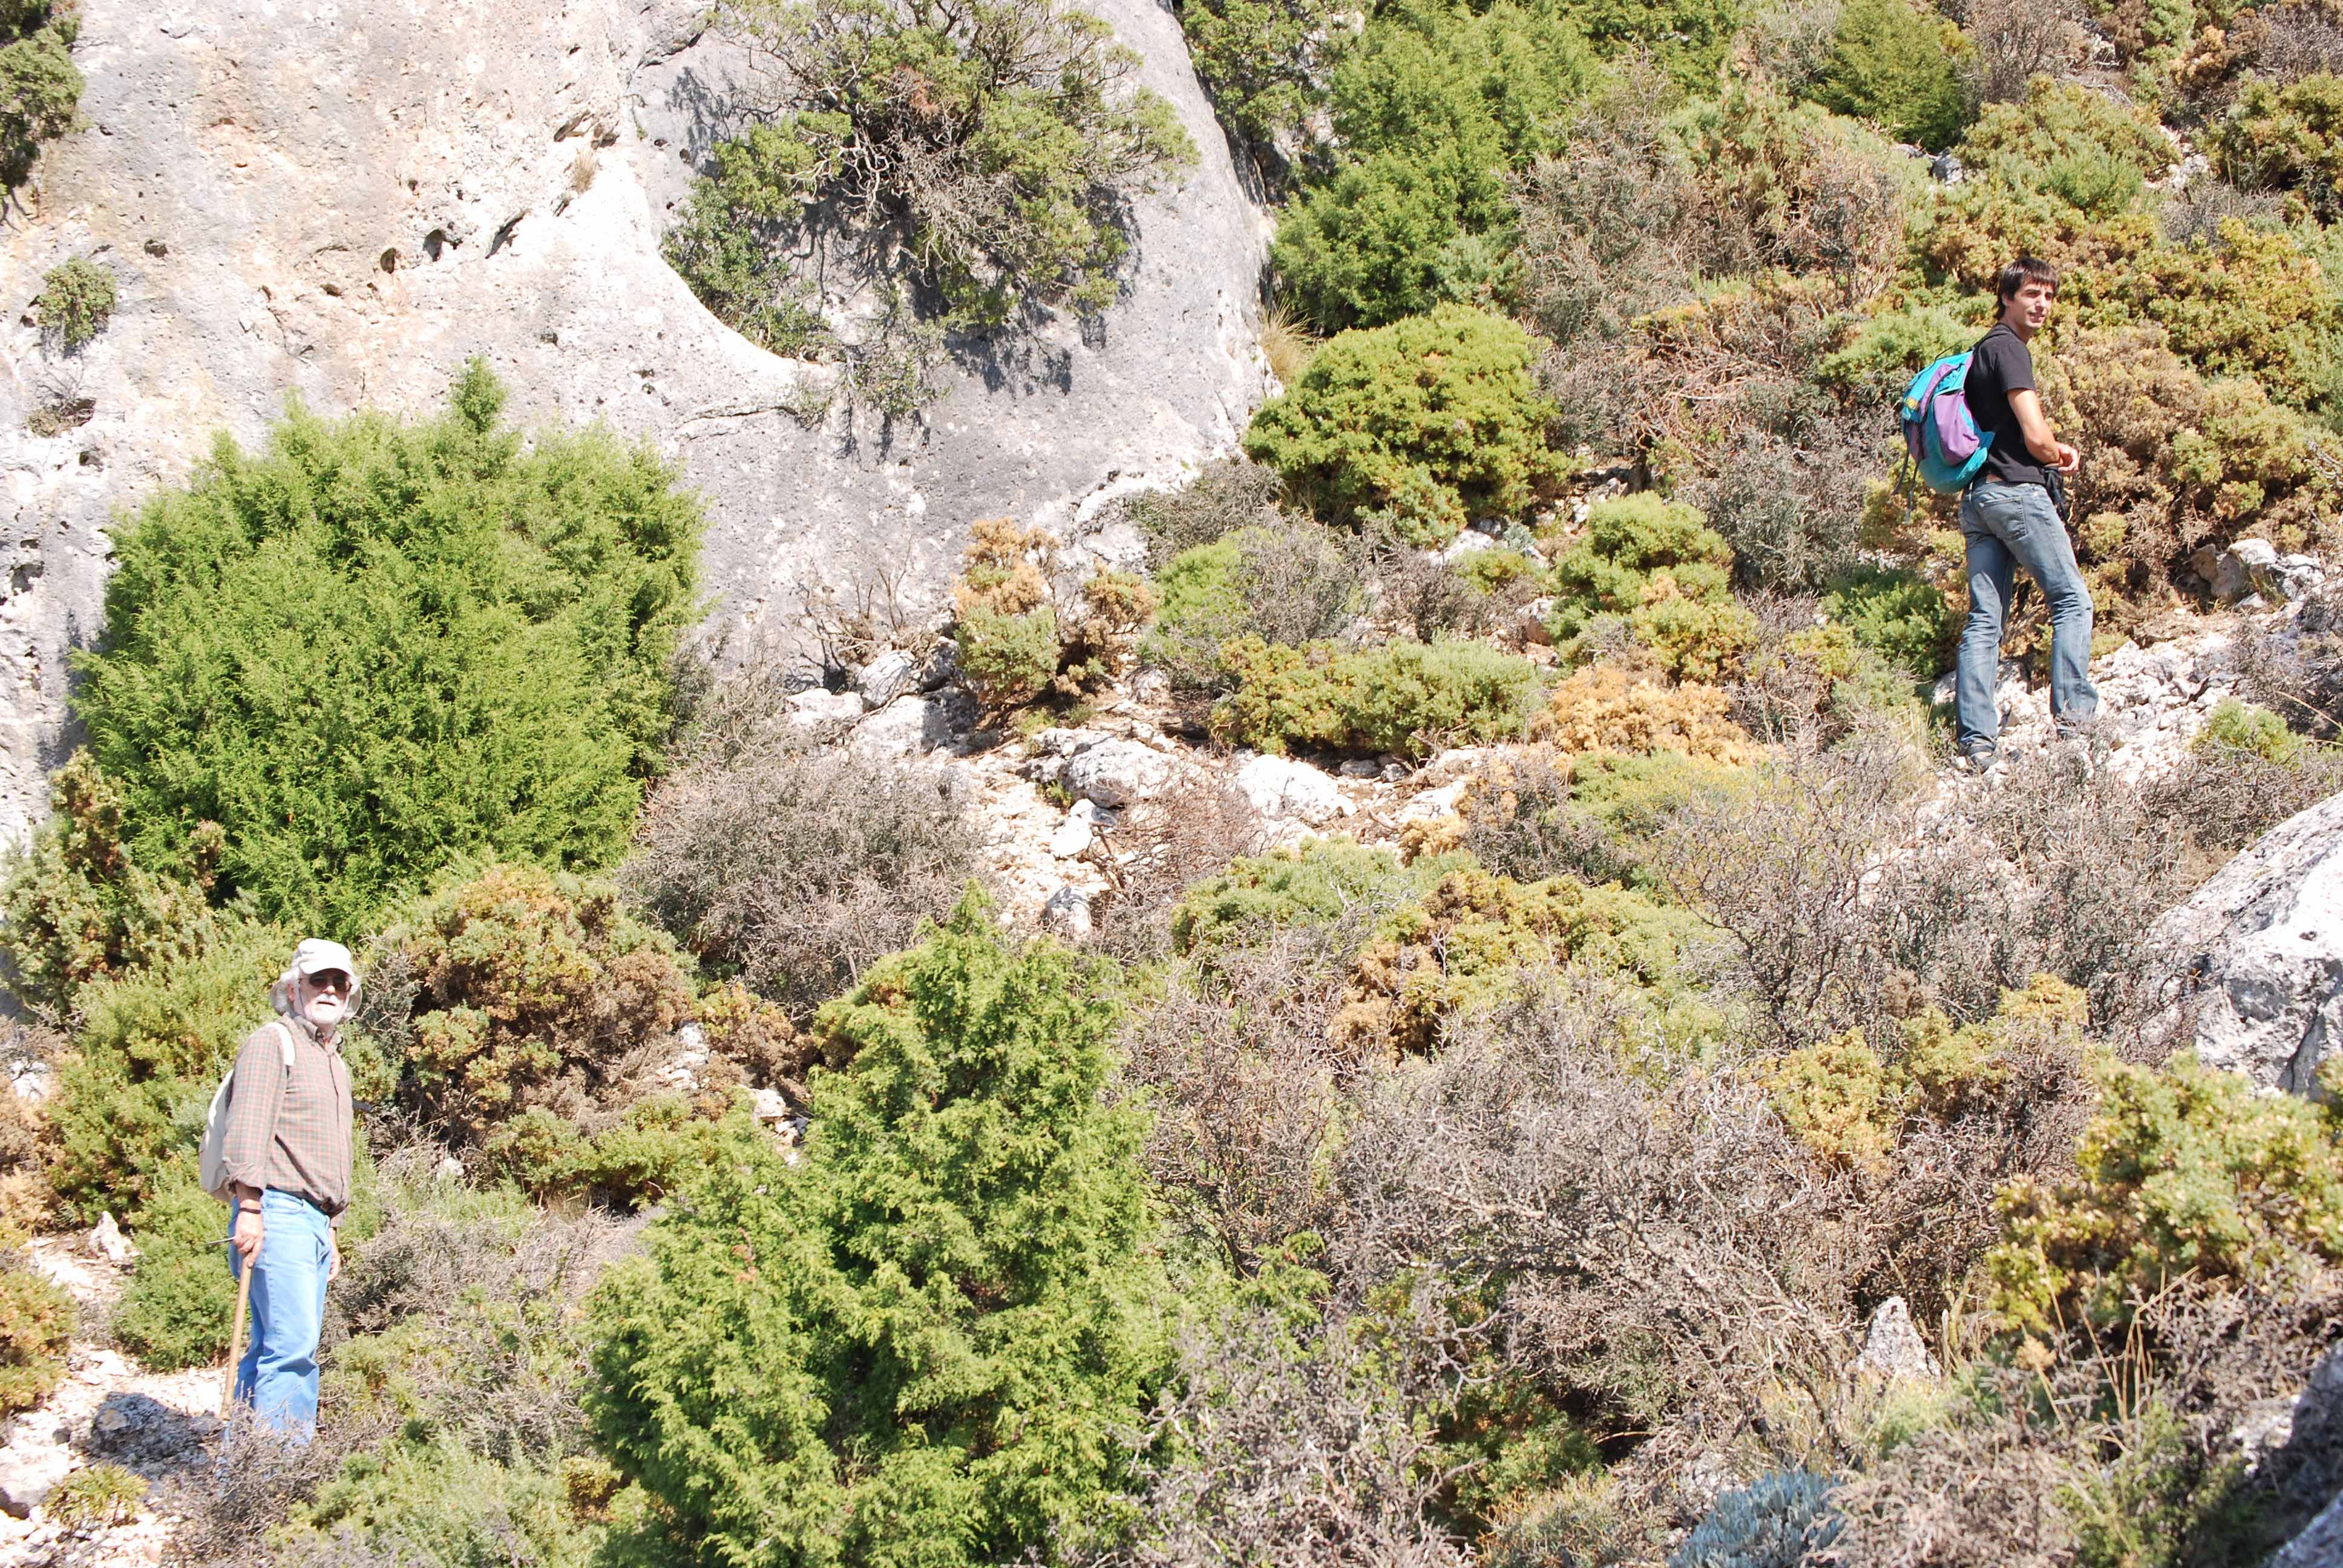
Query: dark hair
point(2027, 269)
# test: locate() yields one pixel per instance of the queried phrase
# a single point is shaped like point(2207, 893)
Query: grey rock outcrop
point(2255, 959)
point(348, 205)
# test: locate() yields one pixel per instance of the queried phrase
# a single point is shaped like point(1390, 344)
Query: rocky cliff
point(346, 203)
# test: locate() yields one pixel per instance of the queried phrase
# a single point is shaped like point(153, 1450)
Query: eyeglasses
point(330, 980)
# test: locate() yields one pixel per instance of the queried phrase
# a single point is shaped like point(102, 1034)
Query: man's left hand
point(333, 1255)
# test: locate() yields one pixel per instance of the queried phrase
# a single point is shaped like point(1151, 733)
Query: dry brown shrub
point(1655, 1241)
point(1604, 709)
point(800, 868)
point(1297, 1453)
point(1851, 901)
point(2113, 1449)
point(1171, 842)
point(1243, 1084)
point(2018, 40)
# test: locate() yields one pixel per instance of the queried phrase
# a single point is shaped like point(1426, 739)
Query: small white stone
point(1068, 912)
point(107, 1239)
point(1073, 835)
point(887, 678)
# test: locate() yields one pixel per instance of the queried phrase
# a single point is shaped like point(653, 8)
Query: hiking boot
point(1978, 756)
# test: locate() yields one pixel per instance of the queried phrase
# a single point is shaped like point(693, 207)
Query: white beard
point(324, 1011)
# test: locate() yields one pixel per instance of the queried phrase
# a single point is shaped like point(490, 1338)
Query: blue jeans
point(278, 1376)
point(2007, 527)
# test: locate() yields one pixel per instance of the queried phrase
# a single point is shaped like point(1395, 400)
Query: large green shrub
point(40, 87)
point(376, 647)
point(1432, 107)
point(1424, 424)
point(1404, 697)
point(924, 1343)
point(1899, 66)
point(998, 143)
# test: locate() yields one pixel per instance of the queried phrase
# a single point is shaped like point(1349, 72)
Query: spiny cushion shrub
point(1405, 697)
point(798, 870)
point(1602, 708)
point(2286, 136)
point(1291, 583)
point(1321, 881)
point(153, 1044)
point(97, 1496)
point(1432, 107)
point(1017, 639)
point(1821, 683)
point(76, 301)
point(1851, 1104)
point(1464, 945)
point(1227, 495)
point(2186, 1170)
point(1423, 426)
point(526, 989)
point(1657, 565)
point(378, 646)
point(2176, 463)
point(1898, 615)
point(950, 1305)
point(1595, 815)
point(79, 906)
point(1899, 66)
point(2242, 727)
point(40, 87)
point(998, 144)
point(36, 1320)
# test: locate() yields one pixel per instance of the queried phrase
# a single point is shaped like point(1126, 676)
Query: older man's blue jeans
point(278, 1376)
point(2007, 527)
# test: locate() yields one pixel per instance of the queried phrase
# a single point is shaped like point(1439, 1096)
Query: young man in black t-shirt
point(2009, 519)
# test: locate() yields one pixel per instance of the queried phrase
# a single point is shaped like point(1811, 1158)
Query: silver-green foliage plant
point(1000, 143)
point(924, 1343)
point(1775, 1523)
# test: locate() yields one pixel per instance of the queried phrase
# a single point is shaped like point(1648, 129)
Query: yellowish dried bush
point(1604, 708)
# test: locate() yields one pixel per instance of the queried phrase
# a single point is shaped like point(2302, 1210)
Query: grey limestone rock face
point(347, 202)
point(2256, 956)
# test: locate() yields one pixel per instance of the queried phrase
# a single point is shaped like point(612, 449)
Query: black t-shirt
point(1999, 364)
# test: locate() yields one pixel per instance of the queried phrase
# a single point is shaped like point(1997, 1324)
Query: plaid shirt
point(291, 1130)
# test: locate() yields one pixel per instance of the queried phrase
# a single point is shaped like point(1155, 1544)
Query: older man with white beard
point(287, 1159)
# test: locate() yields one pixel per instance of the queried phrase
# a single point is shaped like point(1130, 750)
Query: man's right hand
point(247, 1234)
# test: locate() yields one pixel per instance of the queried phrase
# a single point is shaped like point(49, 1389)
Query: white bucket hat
point(316, 955)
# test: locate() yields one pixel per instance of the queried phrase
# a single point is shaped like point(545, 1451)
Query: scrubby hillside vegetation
point(1441, 1007)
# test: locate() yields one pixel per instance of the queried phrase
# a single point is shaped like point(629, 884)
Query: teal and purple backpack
point(1940, 434)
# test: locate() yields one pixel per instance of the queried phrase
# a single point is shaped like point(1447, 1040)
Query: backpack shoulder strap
point(285, 1035)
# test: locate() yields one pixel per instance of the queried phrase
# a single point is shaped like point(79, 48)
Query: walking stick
point(236, 1334)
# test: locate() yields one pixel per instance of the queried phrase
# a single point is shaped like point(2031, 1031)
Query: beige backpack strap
point(285, 1032)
